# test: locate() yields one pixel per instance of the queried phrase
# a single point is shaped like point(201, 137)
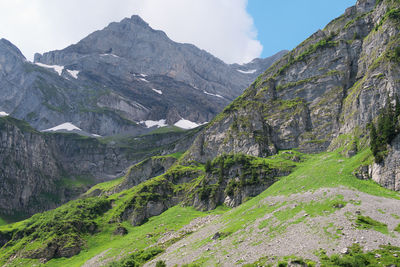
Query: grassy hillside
point(312, 202)
point(320, 193)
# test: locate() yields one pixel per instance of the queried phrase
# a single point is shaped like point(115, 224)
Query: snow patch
point(65, 126)
point(73, 73)
point(3, 114)
point(56, 68)
point(157, 91)
point(96, 135)
point(247, 71)
point(186, 124)
point(109, 55)
point(150, 123)
point(143, 75)
point(144, 80)
point(216, 95)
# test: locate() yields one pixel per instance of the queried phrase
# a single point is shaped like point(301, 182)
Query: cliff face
point(39, 171)
point(45, 98)
point(147, 76)
point(116, 79)
point(332, 84)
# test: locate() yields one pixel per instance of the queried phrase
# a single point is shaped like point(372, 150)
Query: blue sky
point(283, 24)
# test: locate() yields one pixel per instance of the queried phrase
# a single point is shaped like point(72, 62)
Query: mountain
point(319, 96)
point(125, 78)
point(300, 170)
point(45, 99)
point(258, 65)
point(42, 170)
point(150, 77)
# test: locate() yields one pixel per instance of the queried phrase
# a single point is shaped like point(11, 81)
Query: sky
point(236, 31)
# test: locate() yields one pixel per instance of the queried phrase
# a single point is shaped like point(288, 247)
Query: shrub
point(385, 130)
point(161, 264)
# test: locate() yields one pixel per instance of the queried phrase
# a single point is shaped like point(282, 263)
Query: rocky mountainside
point(289, 160)
point(140, 65)
point(258, 65)
point(319, 96)
point(39, 171)
point(125, 78)
point(43, 98)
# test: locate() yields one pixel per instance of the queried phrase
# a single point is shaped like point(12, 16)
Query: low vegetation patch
point(385, 129)
point(386, 255)
point(365, 222)
point(137, 258)
point(56, 233)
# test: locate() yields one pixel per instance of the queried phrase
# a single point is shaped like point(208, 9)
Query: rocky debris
point(216, 236)
point(344, 251)
point(120, 230)
point(193, 226)
point(338, 205)
point(362, 173)
point(296, 264)
point(282, 242)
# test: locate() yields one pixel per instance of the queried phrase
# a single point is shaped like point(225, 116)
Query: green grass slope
point(322, 198)
point(321, 189)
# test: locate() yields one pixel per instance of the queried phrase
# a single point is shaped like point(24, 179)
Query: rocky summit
point(125, 78)
point(301, 169)
point(148, 78)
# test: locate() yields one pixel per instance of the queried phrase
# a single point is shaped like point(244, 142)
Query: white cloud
point(222, 27)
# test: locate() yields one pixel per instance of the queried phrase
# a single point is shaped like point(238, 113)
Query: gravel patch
point(332, 232)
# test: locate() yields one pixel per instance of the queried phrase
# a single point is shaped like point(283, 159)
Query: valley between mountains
point(113, 155)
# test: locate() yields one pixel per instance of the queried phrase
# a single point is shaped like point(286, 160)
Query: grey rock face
point(387, 173)
point(142, 49)
point(145, 170)
point(45, 99)
point(116, 78)
point(39, 171)
point(258, 65)
point(150, 76)
point(331, 84)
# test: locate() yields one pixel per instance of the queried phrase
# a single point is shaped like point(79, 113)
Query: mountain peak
point(136, 19)
point(8, 47)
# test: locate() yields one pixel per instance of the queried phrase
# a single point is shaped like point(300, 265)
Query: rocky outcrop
point(39, 171)
point(258, 65)
point(150, 199)
point(57, 233)
point(228, 179)
point(232, 179)
point(387, 173)
point(145, 170)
